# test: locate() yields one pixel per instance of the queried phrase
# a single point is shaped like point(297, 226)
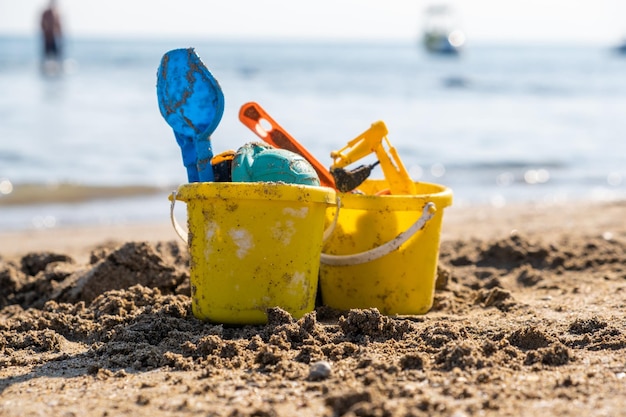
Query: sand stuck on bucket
point(253, 246)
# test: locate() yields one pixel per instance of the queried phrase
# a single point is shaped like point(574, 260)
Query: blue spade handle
point(188, 150)
point(192, 103)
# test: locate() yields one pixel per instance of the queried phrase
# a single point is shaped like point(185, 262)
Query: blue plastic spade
point(192, 103)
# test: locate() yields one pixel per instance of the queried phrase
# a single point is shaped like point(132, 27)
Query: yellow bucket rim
point(438, 194)
point(268, 191)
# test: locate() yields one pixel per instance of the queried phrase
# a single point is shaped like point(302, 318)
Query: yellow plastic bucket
point(384, 250)
point(253, 246)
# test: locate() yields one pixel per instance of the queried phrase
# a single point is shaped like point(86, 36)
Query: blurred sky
point(589, 21)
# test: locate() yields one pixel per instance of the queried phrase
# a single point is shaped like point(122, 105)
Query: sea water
point(499, 124)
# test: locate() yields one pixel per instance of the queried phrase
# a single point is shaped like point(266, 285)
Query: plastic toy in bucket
point(253, 245)
point(384, 250)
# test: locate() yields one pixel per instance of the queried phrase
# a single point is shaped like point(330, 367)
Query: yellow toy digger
point(368, 142)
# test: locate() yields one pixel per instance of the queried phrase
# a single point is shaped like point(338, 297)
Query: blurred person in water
point(51, 31)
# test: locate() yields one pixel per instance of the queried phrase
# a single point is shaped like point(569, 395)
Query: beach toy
point(384, 250)
point(253, 246)
point(368, 142)
point(222, 166)
point(254, 117)
point(255, 162)
point(192, 103)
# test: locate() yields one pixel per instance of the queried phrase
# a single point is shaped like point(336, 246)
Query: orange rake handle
point(252, 114)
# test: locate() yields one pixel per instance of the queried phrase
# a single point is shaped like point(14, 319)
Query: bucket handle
point(177, 227)
point(428, 212)
point(331, 228)
point(183, 235)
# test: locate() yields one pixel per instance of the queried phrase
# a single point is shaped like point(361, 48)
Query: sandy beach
point(529, 319)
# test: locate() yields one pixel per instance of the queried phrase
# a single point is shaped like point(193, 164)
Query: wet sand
point(529, 319)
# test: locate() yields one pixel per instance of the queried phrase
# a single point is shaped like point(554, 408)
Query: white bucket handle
point(183, 235)
point(428, 212)
point(331, 228)
point(177, 227)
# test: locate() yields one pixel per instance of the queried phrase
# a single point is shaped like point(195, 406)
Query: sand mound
point(517, 324)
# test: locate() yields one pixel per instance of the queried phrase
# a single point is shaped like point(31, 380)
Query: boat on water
point(441, 31)
point(621, 48)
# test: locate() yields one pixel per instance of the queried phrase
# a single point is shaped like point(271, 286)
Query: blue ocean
point(500, 124)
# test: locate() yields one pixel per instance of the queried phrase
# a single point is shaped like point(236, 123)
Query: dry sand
point(529, 319)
